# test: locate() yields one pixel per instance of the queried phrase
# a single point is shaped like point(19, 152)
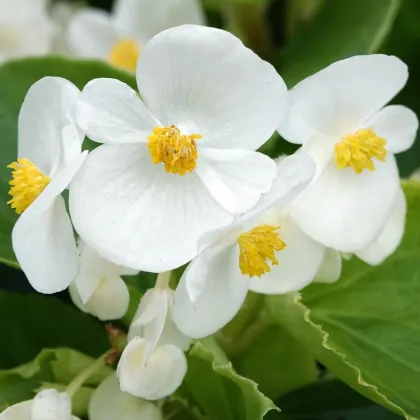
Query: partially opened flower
point(153, 364)
point(25, 29)
point(108, 402)
point(98, 288)
point(47, 405)
point(120, 36)
point(181, 161)
point(340, 118)
point(263, 251)
point(49, 155)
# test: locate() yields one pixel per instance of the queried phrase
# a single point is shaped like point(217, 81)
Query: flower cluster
point(178, 179)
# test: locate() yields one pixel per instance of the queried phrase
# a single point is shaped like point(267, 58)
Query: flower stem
point(163, 280)
point(85, 374)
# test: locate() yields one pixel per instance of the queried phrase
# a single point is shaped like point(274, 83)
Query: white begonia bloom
point(98, 288)
point(181, 162)
point(25, 29)
point(340, 118)
point(375, 253)
point(237, 258)
point(49, 150)
point(108, 402)
point(120, 36)
point(49, 404)
point(153, 364)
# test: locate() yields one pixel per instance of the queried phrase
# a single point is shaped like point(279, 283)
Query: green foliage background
point(348, 351)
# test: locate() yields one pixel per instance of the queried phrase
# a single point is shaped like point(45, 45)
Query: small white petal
point(390, 237)
point(203, 80)
point(298, 262)
point(109, 111)
point(48, 109)
point(108, 402)
point(222, 291)
point(20, 411)
point(345, 210)
point(136, 214)
point(235, 178)
point(51, 405)
point(330, 270)
point(91, 34)
point(397, 124)
point(341, 97)
point(162, 375)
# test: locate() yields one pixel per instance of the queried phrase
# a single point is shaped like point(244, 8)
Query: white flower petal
point(330, 270)
point(127, 271)
point(108, 402)
point(341, 97)
point(235, 178)
point(136, 214)
point(298, 262)
point(44, 245)
point(91, 34)
point(109, 111)
point(48, 109)
point(203, 80)
point(162, 375)
point(20, 411)
point(50, 404)
point(344, 210)
point(223, 287)
point(397, 124)
point(390, 237)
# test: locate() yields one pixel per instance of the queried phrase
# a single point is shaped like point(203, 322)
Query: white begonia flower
point(98, 288)
point(108, 402)
point(120, 36)
point(25, 29)
point(340, 118)
point(153, 364)
point(49, 150)
point(49, 404)
point(144, 198)
point(237, 258)
point(375, 253)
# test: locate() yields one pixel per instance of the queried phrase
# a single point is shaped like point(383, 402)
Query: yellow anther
point(125, 54)
point(256, 247)
point(357, 150)
point(27, 184)
point(177, 151)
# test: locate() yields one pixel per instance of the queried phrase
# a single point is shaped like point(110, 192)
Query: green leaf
point(52, 368)
point(403, 42)
point(365, 328)
point(30, 323)
point(341, 29)
point(277, 363)
point(214, 388)
point(15, 80)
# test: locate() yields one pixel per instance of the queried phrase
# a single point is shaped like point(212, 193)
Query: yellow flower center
point(358, 149)
point(27, 184)
point(256, 247)
point(176, 150)
point(125, 54)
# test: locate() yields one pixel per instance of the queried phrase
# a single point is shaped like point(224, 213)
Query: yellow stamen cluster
point(27, 184)
point(256, 247)
point(358, 149)
point(177, 151)
point(125, 54)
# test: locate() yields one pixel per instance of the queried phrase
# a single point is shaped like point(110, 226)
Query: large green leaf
point(365, 328)
point(52, 368)
point(29, 323)
point(342, 29)
point(214, 388)
point(15, 80)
